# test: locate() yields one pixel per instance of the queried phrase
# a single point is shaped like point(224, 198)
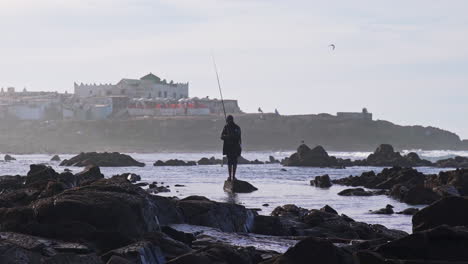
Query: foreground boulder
point(238, 186)
point(321, 181)
point(451, 211)
point(316, 157)
point(105, 159)
point(174, 162)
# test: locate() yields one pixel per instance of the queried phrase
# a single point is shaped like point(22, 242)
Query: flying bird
point(332, 46)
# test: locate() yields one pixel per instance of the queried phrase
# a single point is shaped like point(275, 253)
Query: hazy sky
point(406, 61)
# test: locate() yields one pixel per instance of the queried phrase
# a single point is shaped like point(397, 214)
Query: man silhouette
point(231, 136)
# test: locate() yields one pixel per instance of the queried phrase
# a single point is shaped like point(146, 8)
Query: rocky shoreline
point(52, 217)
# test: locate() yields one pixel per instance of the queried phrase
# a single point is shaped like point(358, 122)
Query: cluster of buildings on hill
point(147, 96)
point(129, 98)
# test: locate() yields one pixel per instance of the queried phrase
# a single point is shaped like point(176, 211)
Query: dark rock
point(210, 161)
point(409, 211)
point(133, 177)
point(8, 158)
point(270, 225)
point(328, 209)
point(452, 211)
point(387, 210)
point(175, 162)
point(265, 205)
point(105, 159)
point(186, 238)
point(385, 156)
point(272, 160)
point(405, 184)
point(40, 174)
point(356, 192)
point(89, 175)
point(219, 254)
point(316, 157)
point(55, 158)
point(321, 181)
point(142, 184)
point(445, 182)
point(179, 185)
point(157, 189)
point(456, 162)
point(443, 243)
point(198, 210)
point(313, 250)
point(238, 186)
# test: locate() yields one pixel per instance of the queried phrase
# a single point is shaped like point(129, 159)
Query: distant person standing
point(232, 148)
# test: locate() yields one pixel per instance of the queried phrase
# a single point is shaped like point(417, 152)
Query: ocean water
point(276, 187)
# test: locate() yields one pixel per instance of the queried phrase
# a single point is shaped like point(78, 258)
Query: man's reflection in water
point(231, 198)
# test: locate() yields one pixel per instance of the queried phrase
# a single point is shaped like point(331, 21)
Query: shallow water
point(276, 187)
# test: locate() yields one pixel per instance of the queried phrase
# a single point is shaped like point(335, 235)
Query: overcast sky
point(406, 61)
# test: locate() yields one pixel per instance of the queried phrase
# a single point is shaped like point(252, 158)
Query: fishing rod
point(219, 85)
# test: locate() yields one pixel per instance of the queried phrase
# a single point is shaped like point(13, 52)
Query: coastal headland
point(201, 133)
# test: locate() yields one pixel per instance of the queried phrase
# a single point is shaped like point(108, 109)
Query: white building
point(149, 86)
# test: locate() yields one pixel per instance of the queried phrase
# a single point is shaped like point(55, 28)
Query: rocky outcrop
point(316, 157)
point(8, 158)
point(198, 210)
point(404, 184)
point(175, 162)
point(290, 220)
point(272, 160)
point(385, 156)
point(321, 181)
point(238, 186)
point(55, 158)
point(210, 161)
point(105, 159)
point(409, 211)
point(449, 183)
point(215, 254)
point(456, 162)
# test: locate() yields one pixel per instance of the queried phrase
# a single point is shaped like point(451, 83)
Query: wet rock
point(265, 205)
point(105, 159)
point(175, 162)
point(89, 175)
point(238, 186)
point(409, 211)
point(313, 250)
point(321, 181)
point(387, 210)
point(158, 189)
point(414, 194)
point(132, 177)
point(452, 211)
point(270, 225)
point(179, 185)
point(456, 162)
point(8, 158)
point(356, 192)
point(40, 174)
point(210, 161)
point(186, 238)
point(198, 210)
point(55, 158)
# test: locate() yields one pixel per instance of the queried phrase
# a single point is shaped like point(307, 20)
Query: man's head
point(229, 119)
